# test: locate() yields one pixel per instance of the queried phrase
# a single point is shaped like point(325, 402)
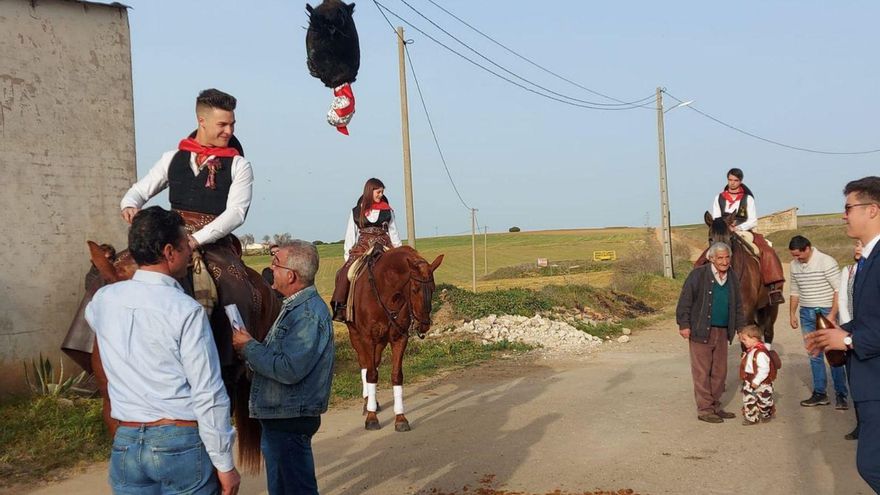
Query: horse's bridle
point(393, 315)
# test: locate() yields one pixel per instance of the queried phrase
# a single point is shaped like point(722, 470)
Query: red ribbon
point(203, 153)
point(344, 90)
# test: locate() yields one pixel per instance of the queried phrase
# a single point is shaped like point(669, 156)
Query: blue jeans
point(290, 466)
point(161, 460)
point(817, 363)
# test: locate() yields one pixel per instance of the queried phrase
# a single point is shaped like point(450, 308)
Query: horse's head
point(719, 228)
point(421, 292)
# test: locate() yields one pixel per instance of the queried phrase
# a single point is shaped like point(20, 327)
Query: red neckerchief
point(202, 155)
point(381, 205)
point(344, 90)
point(732, 198)
point(759, 347)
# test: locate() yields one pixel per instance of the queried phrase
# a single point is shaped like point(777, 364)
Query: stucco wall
point(66, 158)
point(781, 220)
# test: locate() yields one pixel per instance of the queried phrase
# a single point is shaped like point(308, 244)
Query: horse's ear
point(350, 8)
point(105, 268)
point(436, 263)
point(708, 218)
point(309, 8)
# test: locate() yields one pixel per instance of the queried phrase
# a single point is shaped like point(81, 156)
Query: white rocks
point(627, 331)
point(623, 339)
point(552, 335)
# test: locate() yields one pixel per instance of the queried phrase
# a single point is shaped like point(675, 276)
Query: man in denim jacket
point(293, 369)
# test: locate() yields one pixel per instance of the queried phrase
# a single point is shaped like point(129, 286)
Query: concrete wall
point(66, 158)
point(781, 220)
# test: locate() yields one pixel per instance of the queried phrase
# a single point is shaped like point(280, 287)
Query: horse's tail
point(249, 430)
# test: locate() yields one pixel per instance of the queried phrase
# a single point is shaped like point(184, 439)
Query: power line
point(539, 66)
point(435, 40)
point(462, 43)
point(771, 141)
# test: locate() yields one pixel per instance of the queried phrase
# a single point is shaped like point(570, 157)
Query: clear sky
point(801, 72)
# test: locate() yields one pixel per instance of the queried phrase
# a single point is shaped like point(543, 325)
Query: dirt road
point(622, 418)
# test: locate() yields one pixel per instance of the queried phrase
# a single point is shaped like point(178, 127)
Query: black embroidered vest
point(742, 211)
point(381, 222)
point(188, 192)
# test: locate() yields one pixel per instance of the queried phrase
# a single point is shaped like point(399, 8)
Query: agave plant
point(44, 380)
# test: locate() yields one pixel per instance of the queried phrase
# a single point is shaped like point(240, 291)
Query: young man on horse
point(736, 199)
point(371, 222)
point(156, 347)
point(210, 185)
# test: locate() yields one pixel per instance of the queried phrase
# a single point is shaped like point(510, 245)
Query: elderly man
point(163, 373)
point(709, 313)
point(293, 369)
point(861, 336)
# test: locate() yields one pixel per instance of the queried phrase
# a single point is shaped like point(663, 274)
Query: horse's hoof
point(371, 425)
point(401, 423)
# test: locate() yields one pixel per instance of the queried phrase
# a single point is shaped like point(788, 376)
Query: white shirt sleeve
point(763, 368)
point(237, 204)
point(716, 210)
point(844, 313)
point(201, 364)
point(151, 184)
point(351, 237)
point(392, 232)
point(752, 221)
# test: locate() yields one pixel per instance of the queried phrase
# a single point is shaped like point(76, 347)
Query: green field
point(503, 250)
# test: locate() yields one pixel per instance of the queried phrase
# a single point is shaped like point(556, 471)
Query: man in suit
point(861, 336)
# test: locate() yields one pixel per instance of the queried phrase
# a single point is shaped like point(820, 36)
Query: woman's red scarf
point(381, 205)
point(202, 155)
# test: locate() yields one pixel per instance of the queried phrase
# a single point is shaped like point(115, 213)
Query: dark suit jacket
point(864, 360)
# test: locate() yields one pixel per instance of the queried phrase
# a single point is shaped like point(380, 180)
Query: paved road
point(622, 418)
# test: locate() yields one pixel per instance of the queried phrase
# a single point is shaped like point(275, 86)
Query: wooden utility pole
point(474, 247)
point(665, 228)
point(485, 249)
point(407, 163)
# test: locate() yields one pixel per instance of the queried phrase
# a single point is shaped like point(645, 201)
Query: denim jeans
point(290, 466)
point(817, 363)
point(161, 460)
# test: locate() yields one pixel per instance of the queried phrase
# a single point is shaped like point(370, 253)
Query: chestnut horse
point(755, 295)
point(391, 298)
point(114, 268)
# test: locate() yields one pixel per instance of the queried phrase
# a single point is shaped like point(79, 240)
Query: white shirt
point(161, 362)
point(815, 283)
point(844, 312)
point(237, 203)
point(866, 251)
point(718, 277)
point(352, 233)
point(751, 211)
point(763, 366)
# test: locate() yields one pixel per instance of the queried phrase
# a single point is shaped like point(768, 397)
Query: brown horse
point(122, 267)
point(391, 298)
point(755, 295)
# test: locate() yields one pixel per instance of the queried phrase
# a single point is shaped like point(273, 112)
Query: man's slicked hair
point(151, 230)
point(867, 188)
point(214, 98)
point(799, 243)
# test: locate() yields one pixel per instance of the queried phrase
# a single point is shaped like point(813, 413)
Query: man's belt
point(160, 422)
point(195, 220)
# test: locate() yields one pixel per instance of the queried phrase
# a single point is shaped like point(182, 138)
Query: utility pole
point(485, 249)
point(665, 228)
point(474, 247)
point(407, 163)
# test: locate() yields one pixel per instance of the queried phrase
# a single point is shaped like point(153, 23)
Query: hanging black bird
point(333, 55)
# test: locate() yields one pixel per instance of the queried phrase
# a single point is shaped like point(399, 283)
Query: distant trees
point(246, 240)
point(513, 229)
point(266, 239)
point(281, 239)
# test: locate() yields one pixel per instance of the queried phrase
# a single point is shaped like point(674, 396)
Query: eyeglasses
point(276, 265)
point(846, 208)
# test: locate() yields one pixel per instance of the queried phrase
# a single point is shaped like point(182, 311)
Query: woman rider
point(371, 222)
point(736, 199)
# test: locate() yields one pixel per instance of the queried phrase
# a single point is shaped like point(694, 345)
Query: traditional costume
point(758, 372)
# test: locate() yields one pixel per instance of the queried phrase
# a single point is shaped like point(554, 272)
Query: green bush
point(513, 229)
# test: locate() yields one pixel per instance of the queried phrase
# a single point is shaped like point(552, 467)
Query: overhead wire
point(767, 140)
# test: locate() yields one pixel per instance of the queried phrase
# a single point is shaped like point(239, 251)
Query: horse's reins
point(393, 315)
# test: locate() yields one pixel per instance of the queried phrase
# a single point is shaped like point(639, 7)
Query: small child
point(757, 370)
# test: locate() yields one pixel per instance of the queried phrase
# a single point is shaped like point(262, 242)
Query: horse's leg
point(372, 421)
point(101, 378)
point(361, 350)
point(398, 348)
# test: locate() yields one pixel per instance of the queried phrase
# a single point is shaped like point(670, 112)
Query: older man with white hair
point(709, 313)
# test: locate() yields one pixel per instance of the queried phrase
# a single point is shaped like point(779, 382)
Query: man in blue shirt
point(293, 370)
point(163, 372)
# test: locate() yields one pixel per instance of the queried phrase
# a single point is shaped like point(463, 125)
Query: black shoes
point(853, 435)
point(816, 400)
point(710, 418)
point(840, 403)
point(725, 415)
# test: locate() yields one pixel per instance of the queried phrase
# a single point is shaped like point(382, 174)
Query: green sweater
point(720, 304)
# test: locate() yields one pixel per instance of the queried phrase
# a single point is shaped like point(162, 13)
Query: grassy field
point(503, 250)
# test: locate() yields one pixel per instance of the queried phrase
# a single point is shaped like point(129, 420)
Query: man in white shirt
point(210, 184)
point(163, 371)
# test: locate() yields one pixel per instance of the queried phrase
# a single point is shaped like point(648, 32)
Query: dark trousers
point(709, 370)
point(290, 466)
point(868, 450)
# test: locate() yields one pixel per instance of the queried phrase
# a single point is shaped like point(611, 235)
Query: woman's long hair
point(366, 200)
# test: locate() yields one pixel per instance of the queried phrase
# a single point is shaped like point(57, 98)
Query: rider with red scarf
point(371, 222)
point(736, 199)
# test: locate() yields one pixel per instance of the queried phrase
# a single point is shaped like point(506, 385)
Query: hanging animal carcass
point(333, 55)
